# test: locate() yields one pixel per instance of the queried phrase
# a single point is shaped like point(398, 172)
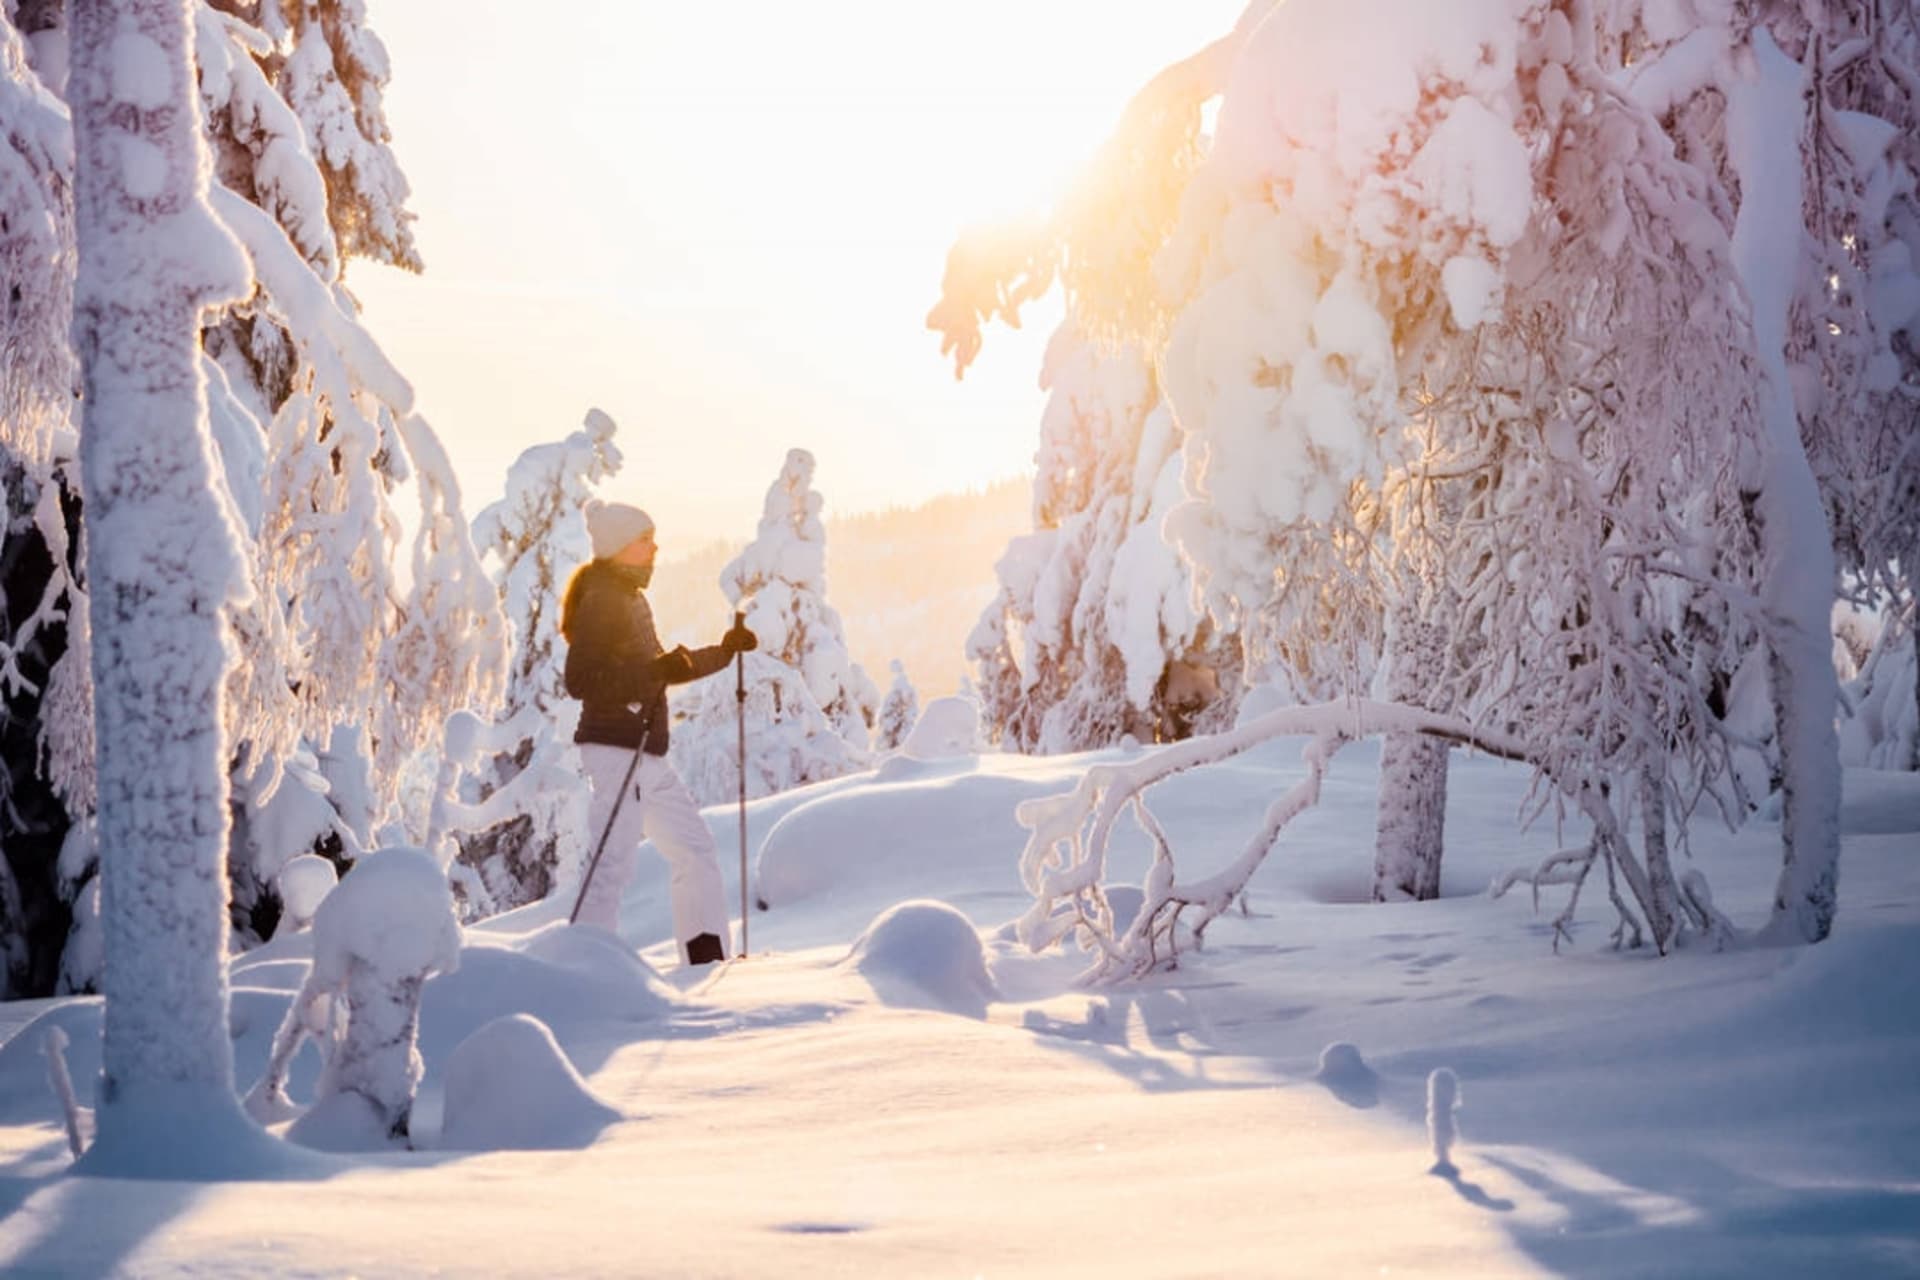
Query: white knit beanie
point(612, 525)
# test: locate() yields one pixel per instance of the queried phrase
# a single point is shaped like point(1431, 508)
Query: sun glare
point(729, 222)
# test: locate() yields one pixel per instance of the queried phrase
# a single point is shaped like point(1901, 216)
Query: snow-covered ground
point(909, 1096)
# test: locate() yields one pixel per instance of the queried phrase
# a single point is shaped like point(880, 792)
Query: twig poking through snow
point(1443, 1099)
point(55, 1047)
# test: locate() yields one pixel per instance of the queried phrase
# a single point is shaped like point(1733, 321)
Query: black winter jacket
point(616, 665)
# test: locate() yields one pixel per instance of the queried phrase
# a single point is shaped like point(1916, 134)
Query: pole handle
point(739, 661)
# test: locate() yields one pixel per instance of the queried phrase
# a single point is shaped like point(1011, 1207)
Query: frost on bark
point(1409, 839)
point(162, 557)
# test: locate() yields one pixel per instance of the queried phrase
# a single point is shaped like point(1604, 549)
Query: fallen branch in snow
point(1064, 862)
point(1568, 866)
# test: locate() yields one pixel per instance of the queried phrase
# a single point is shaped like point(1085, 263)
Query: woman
point(618, 669)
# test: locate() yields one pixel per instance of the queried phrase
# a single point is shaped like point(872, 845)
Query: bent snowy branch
point(1064, 863)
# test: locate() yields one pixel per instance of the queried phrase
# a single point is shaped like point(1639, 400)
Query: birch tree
point(1801, 120)
point(1420, 328)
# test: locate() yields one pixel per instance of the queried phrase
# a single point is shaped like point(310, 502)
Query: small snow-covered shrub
point(925, 954)
point(949, 727)
point(377, 937)
point(899, 711)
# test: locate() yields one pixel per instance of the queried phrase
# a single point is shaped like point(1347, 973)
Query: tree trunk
point(1806, 895)
point(1766, 104)
point(379, 1059)
point(1913, 637)
point(162, 562)
point(1409, 837)
point(1663, 896)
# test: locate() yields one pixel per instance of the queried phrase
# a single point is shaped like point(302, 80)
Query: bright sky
point(724, 225)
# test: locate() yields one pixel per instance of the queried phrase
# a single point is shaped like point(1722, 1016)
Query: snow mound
point(510, 1086)
point(919, 837)
point(925, 954)
point(568, 975)
point(903, 768)
point(1347, 1075)
point(24, 1097)
point(1832, 990)
point(342, 1122)
point(948, 727)
point(174, 1132)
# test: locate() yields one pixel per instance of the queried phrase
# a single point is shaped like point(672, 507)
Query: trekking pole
point(740, 714)
point(607, 829)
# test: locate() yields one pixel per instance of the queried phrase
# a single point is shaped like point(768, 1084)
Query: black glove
point(739, 640)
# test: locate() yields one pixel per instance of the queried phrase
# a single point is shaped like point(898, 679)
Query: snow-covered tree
point(37, 381)
point(780, 582)
point(321, 425)
point(334, 77)
point(317, 432)
point(789, 740)
point(1882, 728)
point(898, 711)
point(163, 560)
point(1800, 120)
point(537, 536)
point(1095, 598)
point(377, 937)
point(810, 707)
point(313, 432)
point(1470, 329)
point(36, 258)
point(1476, 349)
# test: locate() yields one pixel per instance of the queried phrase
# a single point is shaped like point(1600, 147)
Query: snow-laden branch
point(1102, 238)
point(350, 357)
point(469, 739)
point(1064, 863)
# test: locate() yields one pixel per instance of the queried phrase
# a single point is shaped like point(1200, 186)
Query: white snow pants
point(659, 808)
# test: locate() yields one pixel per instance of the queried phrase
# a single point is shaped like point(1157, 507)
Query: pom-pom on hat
point(612, 525)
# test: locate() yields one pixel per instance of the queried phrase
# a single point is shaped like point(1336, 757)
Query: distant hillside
point(909, 582)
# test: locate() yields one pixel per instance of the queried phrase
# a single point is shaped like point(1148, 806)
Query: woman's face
point(639, 553)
